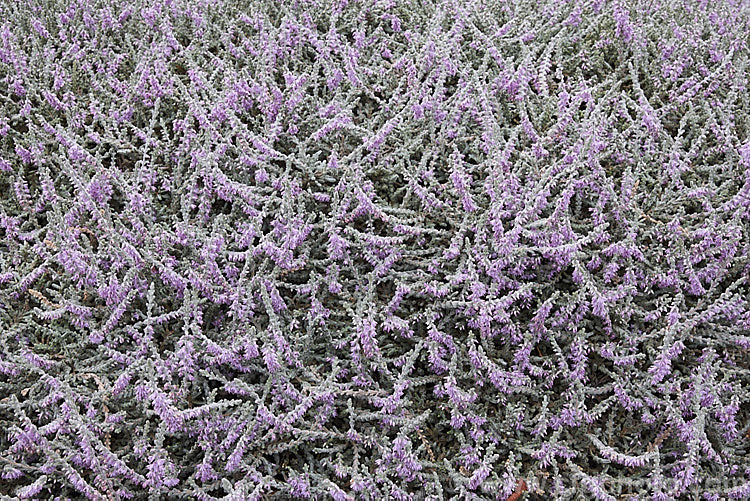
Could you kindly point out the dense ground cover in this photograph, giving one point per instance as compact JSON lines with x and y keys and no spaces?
{"x":374,"y":249}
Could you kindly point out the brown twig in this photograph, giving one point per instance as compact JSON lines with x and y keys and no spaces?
{"x":426,"y":444}
{"x":520,"y":489}
{"x":42,"y":299}
{"x":659,"y":439}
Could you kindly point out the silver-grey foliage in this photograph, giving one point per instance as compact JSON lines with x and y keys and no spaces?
{"x":374,"y":249}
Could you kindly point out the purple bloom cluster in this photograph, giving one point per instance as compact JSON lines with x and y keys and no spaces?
{"x":374,"y":249}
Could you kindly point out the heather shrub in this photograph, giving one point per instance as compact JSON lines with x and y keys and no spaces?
{"x":374,"y":249}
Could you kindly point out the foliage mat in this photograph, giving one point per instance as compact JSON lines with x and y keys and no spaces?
{"x":376,"y":249}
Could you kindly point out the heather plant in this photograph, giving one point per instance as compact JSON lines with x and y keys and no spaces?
{"x":374,"y":249}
